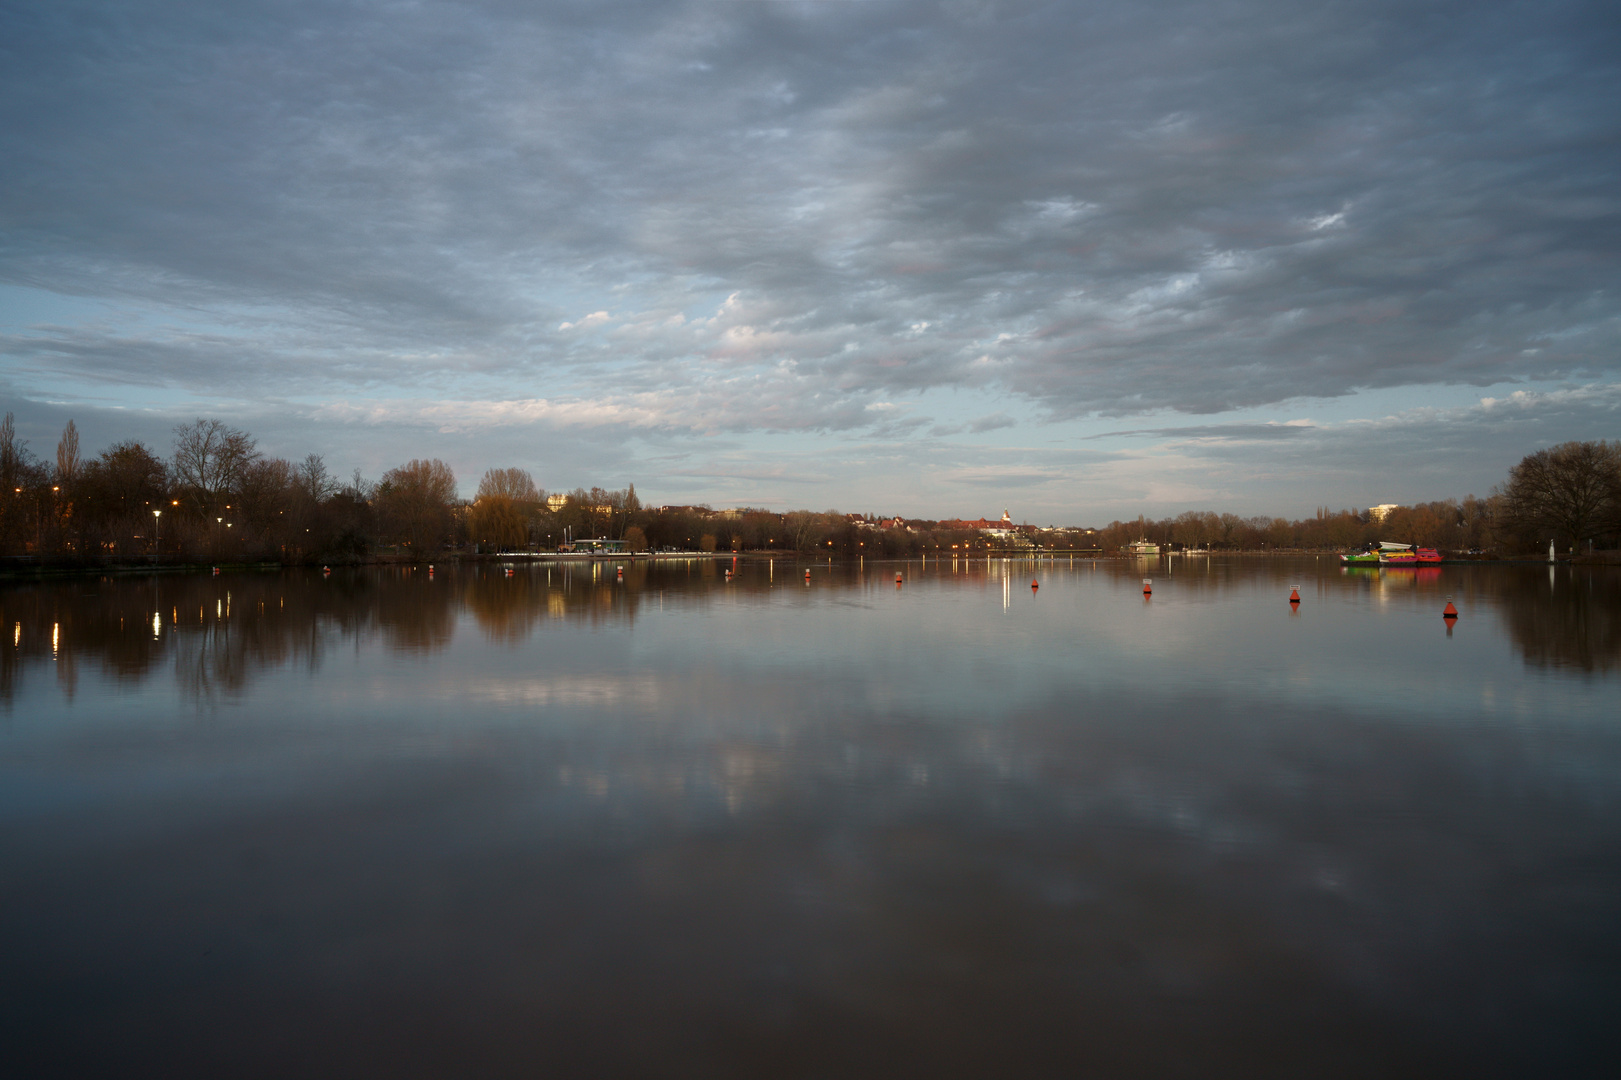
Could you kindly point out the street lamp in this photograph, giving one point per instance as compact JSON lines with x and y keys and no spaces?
{"x":157,"y":524}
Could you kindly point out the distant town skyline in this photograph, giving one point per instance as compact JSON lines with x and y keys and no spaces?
{"x":902,"y":258}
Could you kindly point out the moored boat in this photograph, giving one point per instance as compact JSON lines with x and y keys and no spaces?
{"x":1397,"y":554}
{"x":1361,"y":558}
{"x":1428,"y":556}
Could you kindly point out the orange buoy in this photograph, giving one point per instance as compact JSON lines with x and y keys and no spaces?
{"x":216,"y":571}
{"x":897,"y":579}
{"x":1294,"y":594}
{"x":1148,"y":586}
{"x":1449,"y":612}
{"x":1034,"y":584}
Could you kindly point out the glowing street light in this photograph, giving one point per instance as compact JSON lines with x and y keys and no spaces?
{"x":157,"y":525}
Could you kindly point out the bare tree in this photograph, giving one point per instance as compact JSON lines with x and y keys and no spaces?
{"x":359,"y":488}
{"x":314,"y":481}
{"x":11,"y":452}
{"x":1569,"y":493}
{"x":15,"y":478}
{"x":506,"y":503}
{"x":209,"y":459}
{"x":804,"y":529}
{"x":514,"y":484}
{"x":265,"y":492}
{"x":414,"y":502}
{"x":67,"y":455}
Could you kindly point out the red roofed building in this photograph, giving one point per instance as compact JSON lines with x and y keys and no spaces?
{"x":1003,"y":527}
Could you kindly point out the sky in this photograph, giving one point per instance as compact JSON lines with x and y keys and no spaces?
{"x":1081,"y":261}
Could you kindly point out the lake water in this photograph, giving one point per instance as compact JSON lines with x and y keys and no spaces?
{"x":388,"y":823}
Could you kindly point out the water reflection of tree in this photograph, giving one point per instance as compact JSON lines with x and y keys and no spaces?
{"x":214,"y":632}
{"x":217,"y":633}
{"x":416,"y":614}
{"x":511,"y":609}
{"x":1570,"y":621}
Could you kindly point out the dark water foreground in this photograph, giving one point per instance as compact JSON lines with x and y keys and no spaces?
{"x":381,"y":824}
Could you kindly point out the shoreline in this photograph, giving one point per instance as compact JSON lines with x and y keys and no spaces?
{"x":24,"y":568}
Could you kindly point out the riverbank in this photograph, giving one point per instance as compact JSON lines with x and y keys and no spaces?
{"x":31,"y":568}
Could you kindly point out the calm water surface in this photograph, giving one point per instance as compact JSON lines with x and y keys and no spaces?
{"x":390,"y":824}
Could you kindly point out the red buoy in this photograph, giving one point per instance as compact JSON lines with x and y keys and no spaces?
{"x":1148,"y":586}
{"x":1294,"y":594}
{"x":897,"y":579}
{"x":1034,"y":584}
{"x":1449,"y":612}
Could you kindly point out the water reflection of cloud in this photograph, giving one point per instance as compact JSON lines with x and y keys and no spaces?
{"x":576,"y":825}
{"x":617,"y":690}
{"x":216,"y":636}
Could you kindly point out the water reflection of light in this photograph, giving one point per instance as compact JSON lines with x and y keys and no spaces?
{"x":157,"y":624}
{"x":17,"y":635}
{"x":56,"y":636}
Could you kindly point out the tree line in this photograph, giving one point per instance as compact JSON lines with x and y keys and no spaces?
{"x":215,"y":496}
{"x":1568,"y":494}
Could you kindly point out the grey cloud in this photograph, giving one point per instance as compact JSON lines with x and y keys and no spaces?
{"x":1072,"y":205}
{"x":992,"y":422}
{"x":1246,"y":432}
{"x":1008,"y":478}
{"x":1418,"y":455}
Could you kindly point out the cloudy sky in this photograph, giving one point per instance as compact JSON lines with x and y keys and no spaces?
{"x":1082,"y":260}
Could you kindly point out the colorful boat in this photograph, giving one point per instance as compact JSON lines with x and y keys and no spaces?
{"x":1361,"y":558}
{"x":1397,"y":554}
{"x":1428,"y":557}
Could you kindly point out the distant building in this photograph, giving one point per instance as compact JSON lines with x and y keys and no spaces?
{"x":999,"y":529}
{"x":555,"y":503}
{"x":1382,"y":511}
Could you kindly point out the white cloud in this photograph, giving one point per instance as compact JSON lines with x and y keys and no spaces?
{"x":596,"y":318}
